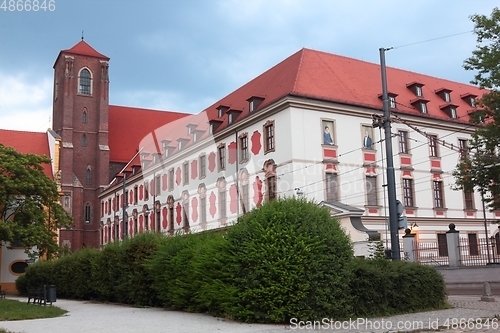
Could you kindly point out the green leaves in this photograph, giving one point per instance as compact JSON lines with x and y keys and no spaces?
{"x":29,"y":203}
{"x":480,"y":170}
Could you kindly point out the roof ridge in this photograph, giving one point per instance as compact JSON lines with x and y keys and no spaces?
{"x":299,"y":67}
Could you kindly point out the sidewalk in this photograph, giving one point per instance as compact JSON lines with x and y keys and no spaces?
{"x":87,"y":317}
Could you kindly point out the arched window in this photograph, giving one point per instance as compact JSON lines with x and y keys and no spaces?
{"x":88,"y":176}
{"x":85,"y":82}
{"x":84,"y":116}
{"x":84,"y":140}
{"x":87,"y":213}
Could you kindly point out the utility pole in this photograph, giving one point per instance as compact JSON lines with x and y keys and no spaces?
{"x":391,"y":178}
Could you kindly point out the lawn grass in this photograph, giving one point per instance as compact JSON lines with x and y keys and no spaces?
{"x":15,"y":310}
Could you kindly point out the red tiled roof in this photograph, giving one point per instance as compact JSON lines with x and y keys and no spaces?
{"x":128,"y":126}
{"x":28,"y":143}
{"x":82,"y":48}
{"x":324,"y":76}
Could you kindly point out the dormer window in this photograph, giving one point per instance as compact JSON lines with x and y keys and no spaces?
{"x":254,"y":103}
{"x":213,"y":125}
{"x":179,"y":145}
{"x":221,"y":110}
{"x":469,"y":99}
{"x":392,"y":99}
{"x":195,"y":136}
{"x":445,"y":94}
{"x":416,"y":88}
{"x":450,"y":109}
{"x":232,"y":115}
{"x":420,"y":104}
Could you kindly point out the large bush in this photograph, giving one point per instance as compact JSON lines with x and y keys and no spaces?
{"x":288,"y":259}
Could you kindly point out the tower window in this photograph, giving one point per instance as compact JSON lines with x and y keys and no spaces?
{"x":87,"y":213}
{"x":84,"y":140}
{"x":85,"y":82}
{"x":88,"y":176}
{"x":84,"y":116}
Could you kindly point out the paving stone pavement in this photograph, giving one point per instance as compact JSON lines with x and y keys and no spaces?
{"x":468,"y":315}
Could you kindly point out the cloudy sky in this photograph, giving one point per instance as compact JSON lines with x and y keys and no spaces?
{"x":184,"y":55}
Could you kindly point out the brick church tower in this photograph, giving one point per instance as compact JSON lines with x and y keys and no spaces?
{"x":80,"y":117}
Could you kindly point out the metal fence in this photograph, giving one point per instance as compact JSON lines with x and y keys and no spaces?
{"x":430,"y":253}
{"x":473,"y":252}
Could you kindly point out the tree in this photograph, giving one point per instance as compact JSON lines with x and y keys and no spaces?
{"x":481,"y":167}
{"x":30,"y":211}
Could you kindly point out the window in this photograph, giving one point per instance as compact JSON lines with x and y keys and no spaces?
{"x":418,"y":91}
{"x":473,"y":244}
{"x":446,"y":97}
{"x":85,"y":82}
{"x":473,"y":102}
{"x":84,"y":140}
{"x":185,"y":173}
{"x":88,"y":176}
{"x":371,"y":191}
{"x":185,"y":215}
{"x":463,"y":149}
{"x":244,"y":148}
{"x":433,"y":148}
{"x":171,"y":179}
{"x":469,"y":200}
{"x":453,"y":112}
{"x":203,"y":166}
{"x":331,"y":187}
{"x":245,"y":198}
{"x":423,"y":107}
{"x":157,"y":185}
{"x":392,"y":102}
{"x":269,"y":136}
{"x":442,"y":245}
{"x":84,"y":116}
{"x":87,"y":213}
{"x":146,"y":221}
{"x":203,"y":210}
{"x":146,"y":191}
{"x":222,"y":157}
{"x":135,"y":194}
{"x":403,"y":142}
{"x":271,"y":187}
{"x":438,"y":194}
{"x":408,"y":192}
{"x":222,"y":204}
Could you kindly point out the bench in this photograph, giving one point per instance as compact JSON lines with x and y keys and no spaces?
{"x":2,"y":293}
{"x":41,"y":295}
{"x":36,"y":295}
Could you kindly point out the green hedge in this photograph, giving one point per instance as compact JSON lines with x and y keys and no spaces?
{"x":286,"y":259}
{"x":382,"y":287}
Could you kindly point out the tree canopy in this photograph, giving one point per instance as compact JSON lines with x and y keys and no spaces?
{"x":480,"y":170}
{"x":30,"y":210}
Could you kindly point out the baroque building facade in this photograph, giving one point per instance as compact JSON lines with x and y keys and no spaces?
{"x":305,"y":127}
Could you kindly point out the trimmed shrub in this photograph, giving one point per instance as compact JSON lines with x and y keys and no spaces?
{"x":184,"y":270}
{"x":382,"y":287}
{"x":287,"y":259}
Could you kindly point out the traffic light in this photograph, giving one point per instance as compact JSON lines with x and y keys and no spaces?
{"x":402,"y":220}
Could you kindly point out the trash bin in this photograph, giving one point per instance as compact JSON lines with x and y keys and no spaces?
{"x":50,"y":293}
